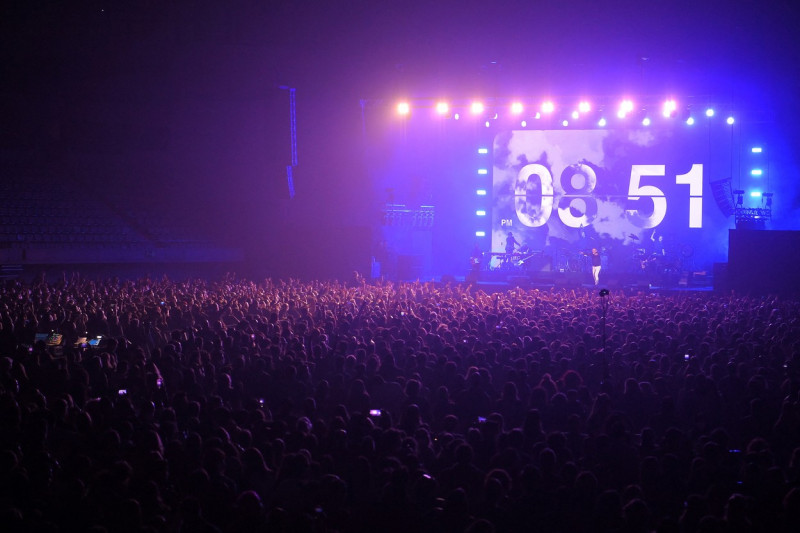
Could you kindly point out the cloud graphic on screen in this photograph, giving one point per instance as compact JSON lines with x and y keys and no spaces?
{"x":641,"y":137}
{"x":612,"y":223}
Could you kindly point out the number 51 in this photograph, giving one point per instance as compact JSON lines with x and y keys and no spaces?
{"x":693,"y":178}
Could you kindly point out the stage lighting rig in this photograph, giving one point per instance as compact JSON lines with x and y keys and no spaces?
{"x":753,"y":217}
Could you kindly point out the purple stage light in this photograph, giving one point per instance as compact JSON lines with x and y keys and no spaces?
{"x":403,"y":108}
{"x":548,"y":107}
{"x":669,"y":109}
{"x":730,"y":121}
{"x":442,"y":108}
{"x":517,"y":108}
{"x":476,"y":108}
{"x":584,"y":106}
{"x":625,"y":107}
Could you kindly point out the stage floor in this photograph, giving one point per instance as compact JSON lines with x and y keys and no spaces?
{"x":494,"y":280}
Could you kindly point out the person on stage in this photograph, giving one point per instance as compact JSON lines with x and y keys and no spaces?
{"x":476,"y":258}
{"x":596,"y":262}
{"x":659,"y":247}
{"x":511,"y":247}
{"x":511,"y":243}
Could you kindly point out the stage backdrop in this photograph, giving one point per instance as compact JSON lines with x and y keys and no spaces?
{"x":637,"y":195}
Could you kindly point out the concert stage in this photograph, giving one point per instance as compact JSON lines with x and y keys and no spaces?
{"x":689,"y":281}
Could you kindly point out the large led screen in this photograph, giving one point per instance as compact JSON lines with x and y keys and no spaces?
{"x":637,"y":195}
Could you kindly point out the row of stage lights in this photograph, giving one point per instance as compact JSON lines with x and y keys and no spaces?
{"x":625,"y":109}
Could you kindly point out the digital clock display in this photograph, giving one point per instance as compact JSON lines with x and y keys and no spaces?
{"x":630,"y":191}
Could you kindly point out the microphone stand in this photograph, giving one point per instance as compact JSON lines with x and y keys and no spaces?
{"x":604,"y":307}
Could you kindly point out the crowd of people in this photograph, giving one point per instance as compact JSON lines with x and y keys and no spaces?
{"x":289,"y":406}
